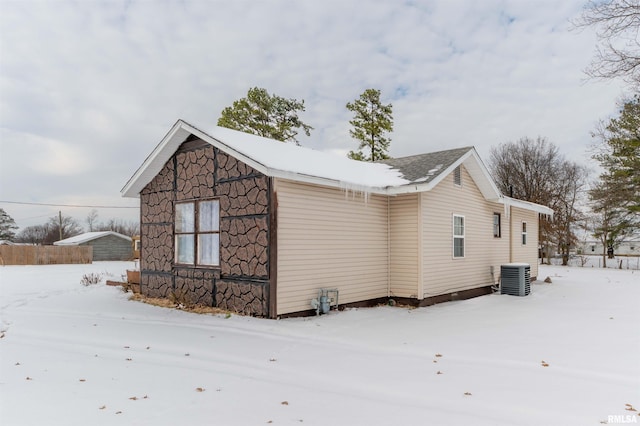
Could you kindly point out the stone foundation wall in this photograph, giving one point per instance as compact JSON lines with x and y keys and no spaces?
{"x":195,"y":286}
{"x":201,"y":171}
{"x":242,"y":297}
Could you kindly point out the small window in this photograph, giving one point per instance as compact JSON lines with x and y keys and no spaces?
{"x":593,"y":248}
{"x":524,"y":233}
{"x":496,"y":225}
{"x":197,"y":228}
{"x":458,"y":236}
{"x":457,"y":176}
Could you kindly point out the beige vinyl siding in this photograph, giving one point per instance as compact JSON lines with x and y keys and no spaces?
{"x":442,"y":273}
{"x":525,"y":253}
{"x":329,"y":238}
{"x":404,"y":226}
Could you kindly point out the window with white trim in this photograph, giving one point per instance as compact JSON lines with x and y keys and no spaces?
{"x":197,"y":233}
{"x":458,"y":236}
{"x":524,"y":233}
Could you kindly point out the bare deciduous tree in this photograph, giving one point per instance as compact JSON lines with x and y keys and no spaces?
{"x":92,"y":219}
{"x":535,"y":171}
{"x":35,"y":234}
{"x":61,"y":227}
{"x":120,"y":226}
{"x":617,"y":23}
{"x":571,"y":189}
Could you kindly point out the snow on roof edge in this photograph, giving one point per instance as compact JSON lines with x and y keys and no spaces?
{"x":288,"y":161}
{"x":88,"y":236}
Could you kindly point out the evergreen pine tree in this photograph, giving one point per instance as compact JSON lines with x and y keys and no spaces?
{"x":371,"y":122}
{"x":7,"y":226}
{"x":262,"y":114}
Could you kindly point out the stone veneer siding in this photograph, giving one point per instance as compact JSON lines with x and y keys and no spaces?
{"x":243,"y":282}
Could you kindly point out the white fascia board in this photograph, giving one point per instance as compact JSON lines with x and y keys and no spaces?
{"x":481,"y":175}
{"x":155,"y":161}
{"x":527,"y":205}
{"x":181,"y":130}
{"x":332,"y":183}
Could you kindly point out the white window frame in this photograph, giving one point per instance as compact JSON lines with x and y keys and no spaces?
{"x":460,"y":237}
{"x":523,"y":239}
{"x":189,"y":241}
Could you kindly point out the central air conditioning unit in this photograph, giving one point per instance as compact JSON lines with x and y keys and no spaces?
{"x":515,"y":279}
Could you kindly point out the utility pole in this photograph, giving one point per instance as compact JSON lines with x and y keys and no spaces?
{"x":60,"y":219}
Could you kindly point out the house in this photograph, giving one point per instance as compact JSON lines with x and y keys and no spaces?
{"x":135,"y":240}
{"x":258,"y":226}
{"x":107,"y":245}
{"x":628,"y":247}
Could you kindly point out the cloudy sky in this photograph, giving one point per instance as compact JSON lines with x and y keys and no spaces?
{"x":88,"y":88}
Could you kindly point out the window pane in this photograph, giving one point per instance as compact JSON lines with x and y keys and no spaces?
{"x":458,"y":225}
{"x":208,"y":249}
{"x":458,"y":247}
{"x":524,"y":226}
{"x":184,"y":249}
{"x":185,"y":217}
{"x":524,"y":239}
{"x":209,"y":216}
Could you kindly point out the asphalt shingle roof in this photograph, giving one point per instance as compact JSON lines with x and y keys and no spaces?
{"x":423,"y":168}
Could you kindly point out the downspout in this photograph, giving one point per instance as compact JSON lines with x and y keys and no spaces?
{"x":511,"y":242}
{"x":273,"y":248}
{"x":388,"y":246}
{"x":420,"y":241}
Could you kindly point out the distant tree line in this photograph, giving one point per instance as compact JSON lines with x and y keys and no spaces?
{"x":607,"y":208}
{"x":61,"y":226}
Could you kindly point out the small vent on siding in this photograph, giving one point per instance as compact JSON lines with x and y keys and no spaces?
{"x":515,"y":279}
{"x":457,"y":177}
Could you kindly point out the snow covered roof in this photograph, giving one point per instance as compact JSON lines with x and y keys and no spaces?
{"x":417,"y":173}
{"x":272,"y":158}
{"x":88,"y":236}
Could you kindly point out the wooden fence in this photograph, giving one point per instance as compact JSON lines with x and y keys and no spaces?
{"x":45,"y":255}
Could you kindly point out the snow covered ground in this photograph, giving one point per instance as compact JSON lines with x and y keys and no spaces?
{"x":568,"y":354}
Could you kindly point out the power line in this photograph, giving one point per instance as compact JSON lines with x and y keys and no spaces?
{"x":68,"y":205}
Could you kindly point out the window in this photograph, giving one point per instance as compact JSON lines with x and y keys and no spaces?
{"x":458,"y":236}
{"x":593,"y":248}
{"x":457,"y":177}
{"x":197,"y":228}
{"x":496,"y":225}
{"x":524,"y":233}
